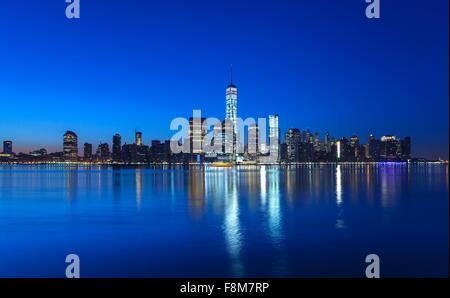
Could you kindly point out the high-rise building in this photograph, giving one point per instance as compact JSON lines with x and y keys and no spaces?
{"x":327,"y":142}
{"x":274,"y":135}
{"x":232,"y":103}
{"x":354,"y":144}
{"x":197,"y":132}
{"x":389,"y":147}
{"x":70,"y":146}
{"x":374,"y":148}
{"x":117,"y":147}
{"x":103,"y":152}
{"x":316,"y":142}
{"x":7,"y":147}
{"x":231,"y":116}
{"x":87,"y":151}
{"x":138,"y":136}
{"x":406,"y":148}
{"x":130,"y":153}
{"x":253,"y":140}
{"x":293,"y":139}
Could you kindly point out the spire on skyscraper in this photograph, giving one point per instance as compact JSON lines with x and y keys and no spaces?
{"x":231,"y":77}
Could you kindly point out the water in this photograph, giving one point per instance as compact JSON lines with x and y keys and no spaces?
{"x":305,"y":221}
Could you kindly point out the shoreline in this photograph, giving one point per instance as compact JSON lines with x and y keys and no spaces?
{"x":235,"y":165}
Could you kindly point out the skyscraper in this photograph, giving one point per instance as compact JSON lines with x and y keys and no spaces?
{"x":253,"y":140}
{"x":70,"y":146}
{"x":293,"y":140}
{"x":389,"y":147}
{"x":103,"y":152}
{"x":197,"y":133}
{"x":232,"y":103}
{"x":117,"y":147}
{"x":406,"y":148}
{"x":87,"y":151}
{"x":274,"y":135}
{"x":7,"y":147}
{"x":327,"y":142}
{"x":138,"y":136}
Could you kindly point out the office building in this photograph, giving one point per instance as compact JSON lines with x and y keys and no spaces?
{"x":7,"y":147}
{"x":70,"y":146}
{"x":117,"y":147}
{"x":87,"y":152}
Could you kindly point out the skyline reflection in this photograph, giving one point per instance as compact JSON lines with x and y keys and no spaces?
{"x":247,"y":220}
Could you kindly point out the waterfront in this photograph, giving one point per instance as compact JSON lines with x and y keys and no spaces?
{"x":259,"y":221}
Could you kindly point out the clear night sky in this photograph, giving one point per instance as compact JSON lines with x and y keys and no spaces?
{"x":319,"y":64}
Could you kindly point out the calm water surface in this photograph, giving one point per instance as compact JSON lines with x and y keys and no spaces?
{"x":303,"y":221}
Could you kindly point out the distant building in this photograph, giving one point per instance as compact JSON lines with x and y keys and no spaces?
{"x":389,"y":149}
{"x":39,"y":153}
{"x":103,"y":152}
{"x":406,"y":148}
{"x":293,"y":140}
{"x":138,"y":136}
{"x":87,"y":151}
{"x":129,"y":153}
{"x":355,"y":148}
{"x":70,"y":146}
{"x":117,"y":147}
{"x":374,"y":148}
{"x":7,"y":147}
{"x":160,"y":152}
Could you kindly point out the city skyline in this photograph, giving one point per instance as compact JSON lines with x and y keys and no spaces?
{"x":291,"y":145}
{"x":341,"y":73}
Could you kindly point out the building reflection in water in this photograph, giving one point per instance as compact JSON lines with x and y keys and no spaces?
{"x":263,"y":185}
{"x":138,"y":183}
{"x":116,"y":184}
{"x":275,"y":223}
{"x":338,"y":186}
{"x":196,"y":191}
{"x":232,"y":227}
{"x":340,"y":223}
{"x":274,"y":208}
{"x":71,"y":178}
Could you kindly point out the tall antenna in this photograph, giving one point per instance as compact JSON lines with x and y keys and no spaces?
{"x":231,"y":72}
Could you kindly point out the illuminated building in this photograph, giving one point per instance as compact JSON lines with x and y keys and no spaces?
{"x":389,"y":147}
{"x":39,"y":153}
{"x":70,"y":146}
{"x":197,"y":133}
{"x":293,"y":138}
{"x":7,"y":147}
{"x":374,"y":148}
{"x":253,"y":141}
{"x":338,"y":150}
{"x":232,"y":103}
{"x":274,"y":135}
{"x":138,"y":136}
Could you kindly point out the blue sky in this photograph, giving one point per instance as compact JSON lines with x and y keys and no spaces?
{"x":136,"y":64}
